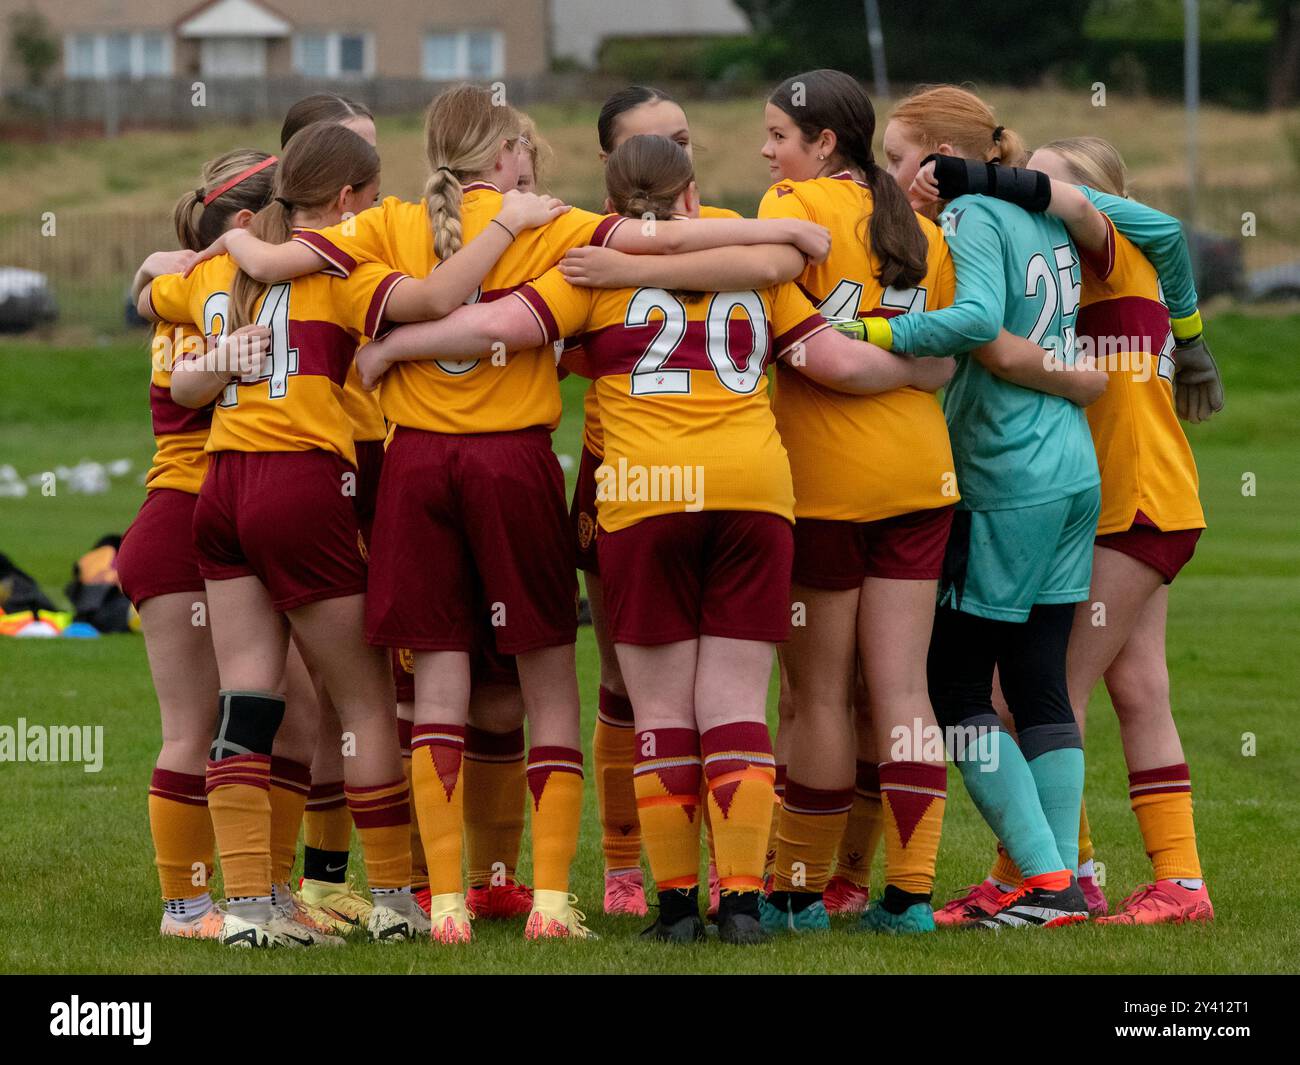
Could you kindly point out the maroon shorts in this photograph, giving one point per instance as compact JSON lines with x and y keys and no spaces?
{"x":582,"y":514}
{"x":283,"y":517}
{"x":469,"y":519}
{"x":157,"y":554}
{"x":1164,"y":552}
{"x":370,"y":461}
{"x":487,"y":665}
{"x":712,"y":573}
{"x":838,"y":555}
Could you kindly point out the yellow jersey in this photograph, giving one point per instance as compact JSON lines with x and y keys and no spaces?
{"x":464,"y":395}
{"x":860,"y":458}
{"x":1145,"y":460}
{"x":682,"y":387}
{"x":316,"y":323}
{"x":180,"y":434}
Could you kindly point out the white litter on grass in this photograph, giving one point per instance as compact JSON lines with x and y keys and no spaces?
{"x":85,"y":478}
{"x":11,"y":485}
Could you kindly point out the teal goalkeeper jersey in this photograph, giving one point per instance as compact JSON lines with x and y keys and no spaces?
{"x":1013,"y":446}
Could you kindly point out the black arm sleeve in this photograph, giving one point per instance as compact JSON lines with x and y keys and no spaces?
{"x":1030,"y":189}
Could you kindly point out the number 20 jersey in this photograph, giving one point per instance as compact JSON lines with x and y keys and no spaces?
{"x":860,"y":458}
{"x":316,"y":323}
{"x":682,"y":387}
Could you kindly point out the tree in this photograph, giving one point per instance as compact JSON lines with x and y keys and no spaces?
{"x":1284,"y":65}
{"x":35,"y":47}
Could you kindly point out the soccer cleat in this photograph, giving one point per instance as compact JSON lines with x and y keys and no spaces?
{"x":740,"y":930}
{"x":915,"y":920}
{"x":287,"y":932}
{"x":209,"y":926}
{"x":313,"y":918}
{"x":625,"y":894}
{"x":843,"y":897}
{"x":499,"y":901}
{"x":239,"y":931}
{"x":397,"y":919}
{"x":344,"y":908}
{"x":422,"y":898}
{"x":1096,"y":898}
{"x":774,"y":919}
{"x":715,"y":891}
{"x":554,"y":917}
{"x":1038,"y":907}
{"x":1164,"y":902}
{"x":449,"y":919}
{"x":688,"y":929}
{"x":979,"y":901}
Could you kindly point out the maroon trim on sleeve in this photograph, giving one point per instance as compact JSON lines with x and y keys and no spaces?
{"x":814,"y":323}
{"x":379,"y":300}
{"x":605,"y":229}
{"x":534,"y":302}
{"x":341,"y":263}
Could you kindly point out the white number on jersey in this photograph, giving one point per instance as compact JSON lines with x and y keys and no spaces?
{"x":1058,"y":297}
{"x":274,"y":314}
{"x":649,"y":378}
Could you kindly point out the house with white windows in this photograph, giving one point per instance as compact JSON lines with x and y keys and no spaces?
{"x":334,"y":40}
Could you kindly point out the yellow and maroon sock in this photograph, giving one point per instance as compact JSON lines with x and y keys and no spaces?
{"x":555,"y":782}
{"x":182,"y":833}
{"x":614,"y":753}
{"x":238,"y":786}
{"x":1005,"y":871}
{"x":913,"y":796}
{"x":436,"y":756}
{"x":382,"y":814}
{"x":774,"y":829}
{"x":863,"y":829}
{"x":1162,"y":800}
{"x":1086,"y":850}
{"x":741,"y":772}
{"x":326,"y":833}
{"x":419,"y":874}
{"x":290,"y":786}
{"x":812,"y":824}
{"x":496,"y":789}
{"x":667,"y":779}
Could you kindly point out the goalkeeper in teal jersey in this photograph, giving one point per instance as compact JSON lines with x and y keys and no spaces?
{"x":1020,"y":553}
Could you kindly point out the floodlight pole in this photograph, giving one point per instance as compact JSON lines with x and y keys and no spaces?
{"x":1192,"y":97}
{"x":876,"y":40}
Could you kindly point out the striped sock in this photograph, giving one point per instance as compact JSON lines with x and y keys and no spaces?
{"x":812,"y":823}
{"x":182,"y":834}
{"x":326,"y":833}
{"x":866,"y":824}
{"x":667,"y":780}
{"x":1162,"y":800}
{"x":436,"y":754}
{"x":741,"y":772}
{"x":382,"y":814}
{"x":555,"y":782}
{"x":496,"y":789}
{"x":913,"y":796}
{"x":613,"y":752}
{"x":290,"y":786}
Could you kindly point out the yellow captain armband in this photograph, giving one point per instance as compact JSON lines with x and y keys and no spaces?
{"x":1188,"y":328}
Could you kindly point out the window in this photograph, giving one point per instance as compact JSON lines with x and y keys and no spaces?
{"x":334,"y":55}
{"x":463,"y":54}
{"x":117,"y":55}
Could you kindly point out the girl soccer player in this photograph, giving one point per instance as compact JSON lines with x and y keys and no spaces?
{"x":682,"y":393}
{"x":485,"y":522}
{"x":283,"y":455}
{"x":1019,"y":556}
{"x":159,"y":571}
{"x":1151,"y":516}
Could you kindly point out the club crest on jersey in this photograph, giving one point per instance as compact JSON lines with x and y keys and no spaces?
{"x":783,"y":191}
{"x":586,"y":529}
{"x":951,"y":219}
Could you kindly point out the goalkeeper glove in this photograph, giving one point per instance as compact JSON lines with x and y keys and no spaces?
{"x":873,"y":330}
{"x":1029,"y":189}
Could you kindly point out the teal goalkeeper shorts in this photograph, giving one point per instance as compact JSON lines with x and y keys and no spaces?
{"x":1000,"y":563}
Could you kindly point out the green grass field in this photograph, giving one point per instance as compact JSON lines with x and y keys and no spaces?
{"x":79,"y":892}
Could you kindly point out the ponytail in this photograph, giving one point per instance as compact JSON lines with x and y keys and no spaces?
{"x":443,"y":196}
{"x":894,"y":235}
{"x":947,"y":114}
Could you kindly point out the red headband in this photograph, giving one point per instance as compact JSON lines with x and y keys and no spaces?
{"x":238,"y":178}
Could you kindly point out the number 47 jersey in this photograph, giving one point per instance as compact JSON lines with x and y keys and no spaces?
{"x":316,"y":323}
{"x":682,"y":387}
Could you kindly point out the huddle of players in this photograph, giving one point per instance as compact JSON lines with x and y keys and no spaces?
{"x":843,"y":501}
